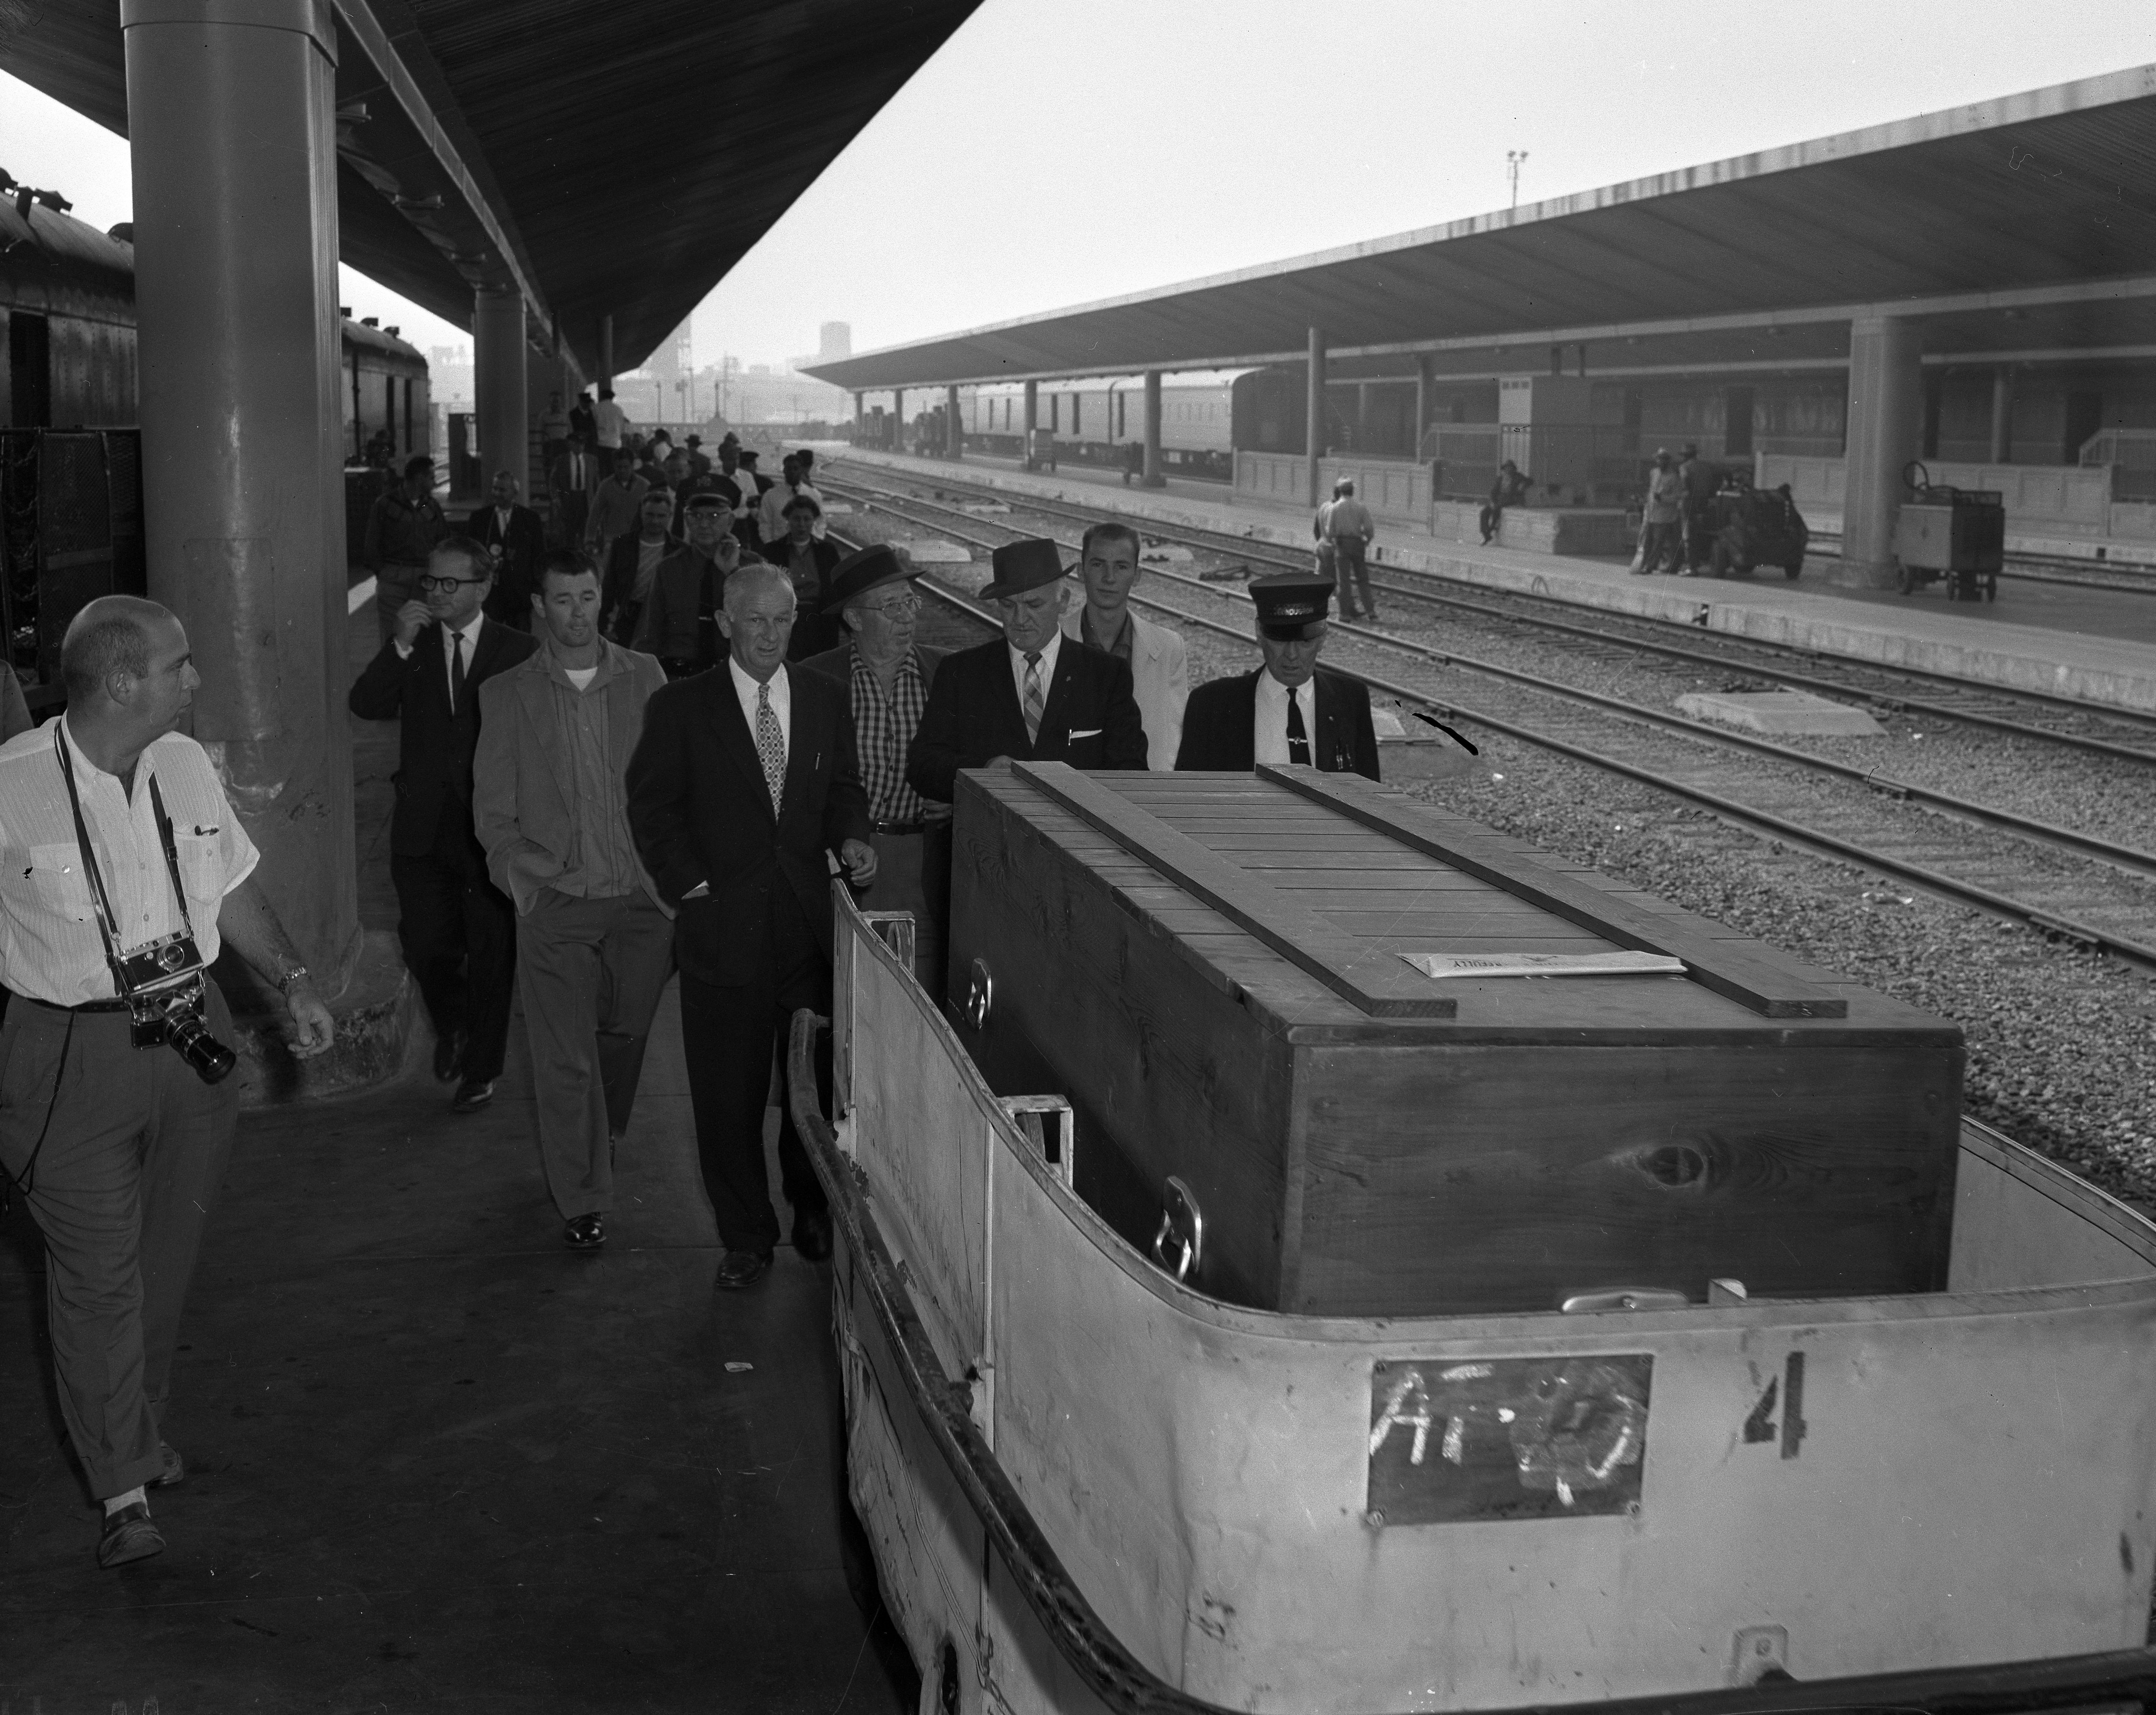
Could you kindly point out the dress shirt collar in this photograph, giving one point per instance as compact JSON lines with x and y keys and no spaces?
{"x":469,"y":633}
{"x":1048,"y":652}
{"x":558,"y":671}
{"x":85,"y":770}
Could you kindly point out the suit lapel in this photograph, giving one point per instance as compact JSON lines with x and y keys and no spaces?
{"x":1245,"y":747}
{"x":1007,"y":716}
{"x":803,"y":740}
{"x":736,"y":736}
{"x":536,"y":691}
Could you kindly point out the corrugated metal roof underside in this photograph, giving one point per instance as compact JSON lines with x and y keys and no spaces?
{"x":638,"y":150}
{"x":2054,"y":187}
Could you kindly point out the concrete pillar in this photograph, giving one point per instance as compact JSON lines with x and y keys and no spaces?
{"x":954,"y":427}
{"x":860,"y":417}
{"x":499,"y":396}
{"x":606,"y":352}
{"x":2002,"y":414}
{"x":898,"y":419}
{"x":1426,"y":377}
{"x":1886,"y":430}
{"x":1154,"y":476}
{"x":232,"y":114}
{"x":1314,"y":411}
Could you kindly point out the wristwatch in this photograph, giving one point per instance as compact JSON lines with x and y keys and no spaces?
{"x":285,"y":982}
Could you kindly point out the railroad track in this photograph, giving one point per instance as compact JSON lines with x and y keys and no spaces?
{"x":2032,"y":715}
{"x":1836,"y":833}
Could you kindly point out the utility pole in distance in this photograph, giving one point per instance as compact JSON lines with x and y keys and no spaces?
{"x":1513,"y":157}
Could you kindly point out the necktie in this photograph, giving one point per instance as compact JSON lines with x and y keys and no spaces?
{"x":1298,"y":736}
{"x":456,"y":670}
{"x":771,"y":746}
{"x":1036,"y":704}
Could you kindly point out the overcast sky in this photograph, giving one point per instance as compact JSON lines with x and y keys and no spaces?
{"x":1060,"y":151}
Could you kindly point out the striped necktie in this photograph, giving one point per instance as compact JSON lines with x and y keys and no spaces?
{"x":1036,"y":704}
{"x":770,"y":747}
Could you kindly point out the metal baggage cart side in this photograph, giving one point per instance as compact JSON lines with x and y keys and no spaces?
{"x":1958,"y":534}
{"x":1088,"y":1486}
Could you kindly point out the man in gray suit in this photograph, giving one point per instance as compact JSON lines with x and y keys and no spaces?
{"x":1160,"y":666}
{"x":595,"y":944}
{"x":886,"y":676}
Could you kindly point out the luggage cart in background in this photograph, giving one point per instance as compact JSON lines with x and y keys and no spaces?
{"x":1958,"y":534}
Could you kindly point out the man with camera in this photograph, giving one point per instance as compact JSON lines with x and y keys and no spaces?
{"x":122,"y":870}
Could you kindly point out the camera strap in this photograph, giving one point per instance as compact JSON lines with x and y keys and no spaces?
{"x":100,"y":902}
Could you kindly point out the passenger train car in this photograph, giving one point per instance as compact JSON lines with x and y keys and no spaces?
{"x":70,"y":481}
{"x":1096,"y":422}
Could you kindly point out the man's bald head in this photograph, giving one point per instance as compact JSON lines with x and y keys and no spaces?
{"x":114,"y":633}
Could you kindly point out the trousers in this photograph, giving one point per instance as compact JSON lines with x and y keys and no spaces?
{"x":590,"y":972}
{"x":729,"y":1033}
{"x":913,"y":873}
{"x":1347,"y":558}
{"x":134,"y":1149}
{"x":458,"y":933}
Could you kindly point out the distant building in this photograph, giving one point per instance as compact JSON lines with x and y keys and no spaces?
{"x":834,"y":340}
{"x":449,"y":374}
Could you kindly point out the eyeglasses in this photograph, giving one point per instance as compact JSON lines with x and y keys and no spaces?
{"x":903,"y":606}
{"x":446,"y":585}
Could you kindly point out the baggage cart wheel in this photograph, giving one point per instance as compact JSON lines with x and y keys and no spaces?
{"x":1907,"y":580}
{"x":1991,"y":586}
{"x":1790,"y":569}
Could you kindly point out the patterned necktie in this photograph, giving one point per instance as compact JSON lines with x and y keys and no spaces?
{"x":1036,"y":704}
{"x":1298,"y":736}
{"x":771,"y":746}
{"x":456,"y":671}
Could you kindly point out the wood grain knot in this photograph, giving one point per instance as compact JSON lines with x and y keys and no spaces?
{"x":1669,"y":1167}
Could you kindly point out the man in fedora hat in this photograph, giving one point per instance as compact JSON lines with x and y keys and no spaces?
{"x":1032,"y":696}
{"x":887,"y":676}
{"x":1290,"y":710}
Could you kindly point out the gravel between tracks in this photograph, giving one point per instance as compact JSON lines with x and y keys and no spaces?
{"x":2061,"y":1043}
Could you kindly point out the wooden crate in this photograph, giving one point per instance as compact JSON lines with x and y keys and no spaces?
{"x":1207,"y":965}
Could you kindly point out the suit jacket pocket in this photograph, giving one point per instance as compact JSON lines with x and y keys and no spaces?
{"x":1084,"y":750}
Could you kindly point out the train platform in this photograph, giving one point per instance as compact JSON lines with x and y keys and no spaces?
{"x":2064,"y":639}
{"x":437,"y":1460}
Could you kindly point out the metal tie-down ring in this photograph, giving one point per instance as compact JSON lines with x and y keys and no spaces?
{"x":1182,"y":1225}
{"x":980,"y":995}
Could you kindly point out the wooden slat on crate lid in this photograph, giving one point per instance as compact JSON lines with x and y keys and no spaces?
{"x":1729,"y":969}
{"x":1364,"y":975}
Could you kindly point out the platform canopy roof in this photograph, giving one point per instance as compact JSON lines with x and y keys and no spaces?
{"x":2042,"y":204}
{"x":612,"y":159}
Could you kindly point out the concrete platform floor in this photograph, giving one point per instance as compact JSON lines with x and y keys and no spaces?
{"x":438,"y":1462}
{"x":2050,"y":638}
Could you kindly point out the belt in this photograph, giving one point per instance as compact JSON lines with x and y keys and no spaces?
{"x":898,"y":826}
{"x":85,"y":1006}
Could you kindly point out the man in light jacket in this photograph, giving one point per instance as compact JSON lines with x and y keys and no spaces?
{"x":1160,"y":667}
{"x":594,"y":943}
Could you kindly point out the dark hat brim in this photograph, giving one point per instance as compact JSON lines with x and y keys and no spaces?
{"x":863,"y":570}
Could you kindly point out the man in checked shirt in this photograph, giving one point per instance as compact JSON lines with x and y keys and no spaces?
{"x":888,"y":675}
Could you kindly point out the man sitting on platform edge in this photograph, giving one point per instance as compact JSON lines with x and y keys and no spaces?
{"x":594,"y":945}
{"x":887,"y":678}
{"x":121,"y":851}
{"x":742,"y":791}
{"x":1033,"y":695}
{"x":1290,"y":710}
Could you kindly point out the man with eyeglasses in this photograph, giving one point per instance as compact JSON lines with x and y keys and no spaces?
{"x":680,"y":621}
{"x":457,"y":928}
{"x":886,"y":676}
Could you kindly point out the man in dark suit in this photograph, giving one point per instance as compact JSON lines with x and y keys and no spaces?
{"x":631,"y":567}
{"x":745,"y":779}
{"x":514,"y":535}
{"x":809,"y":564}
{"x":458,"y":930}
{"x":1290,"y":710}
{"x":1033,"y":695}
{"x":887,"y":678}
{"x":574,"y":479}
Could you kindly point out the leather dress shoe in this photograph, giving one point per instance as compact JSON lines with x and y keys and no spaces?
{"x":472,"y":1095}
{"x":742,"y":1268}
{"x":175,"y":1472}
{"x":129,"y":1535}
{"x":812,"y":1234}
{"x":448,"y":1055}
{"x":587,"y":1232}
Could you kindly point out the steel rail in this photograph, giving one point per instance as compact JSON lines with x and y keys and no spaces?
{"x":1221,"y":541}
{"x":2123,"y":857}
{"x":1126,"y":1686}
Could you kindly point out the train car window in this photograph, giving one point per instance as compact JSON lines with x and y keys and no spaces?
{"x":30,"y":370}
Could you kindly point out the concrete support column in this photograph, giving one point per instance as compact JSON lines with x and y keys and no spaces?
{"x":1425,"y":376}
{"x":1314,"y":411}
{"x":954,"y":425}
{"x":1885,"y":431}
{"x":606,"y":351}
{"x":860,"y":417}
{"x":231,"y":112}
{"x":898,"y":419}
{"x":498,"y":386}
{"x":2002,"y":414}
{"x":1154,"y":476}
